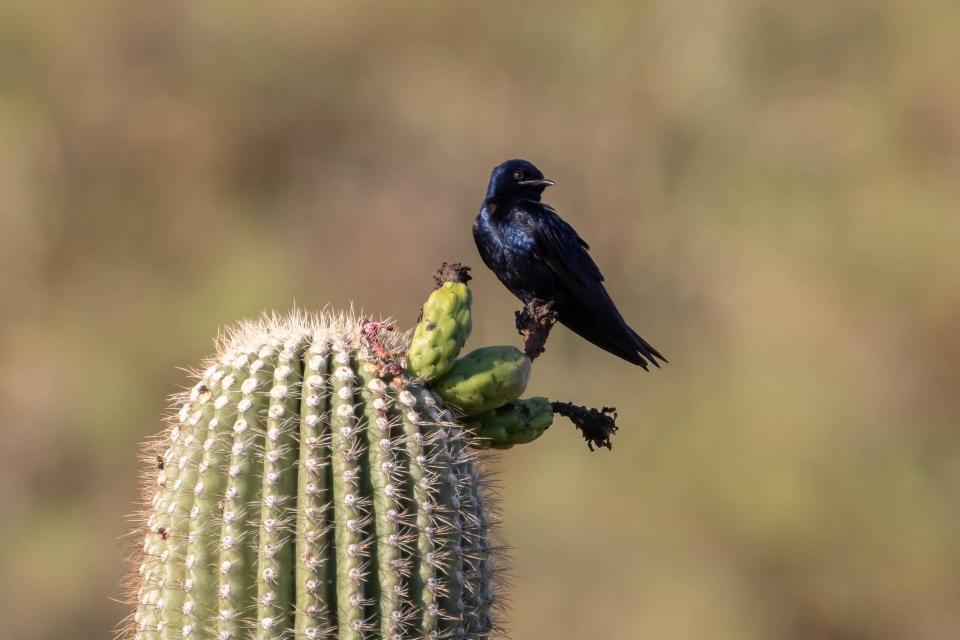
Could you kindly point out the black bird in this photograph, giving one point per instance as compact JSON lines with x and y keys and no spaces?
{"x":539,"y":257}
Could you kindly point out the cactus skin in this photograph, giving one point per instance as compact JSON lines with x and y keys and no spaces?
{"x":300,"y":494}
{"x":485,"y":379}
{"x":442,"y":331}
{"x":517,"y":422}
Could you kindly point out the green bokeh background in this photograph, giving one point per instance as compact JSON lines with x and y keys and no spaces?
{"x":771,"y":189}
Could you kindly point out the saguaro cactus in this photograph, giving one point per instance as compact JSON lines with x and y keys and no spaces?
{"x":307,"y":488}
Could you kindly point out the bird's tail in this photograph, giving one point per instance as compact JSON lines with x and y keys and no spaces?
{"x":620,"y":340}
{"x":648,"y":350}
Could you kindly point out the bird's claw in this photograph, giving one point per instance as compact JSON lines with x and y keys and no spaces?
{"x":534,"y":323}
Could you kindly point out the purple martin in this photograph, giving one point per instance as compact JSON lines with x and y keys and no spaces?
{"x":541,"y":260}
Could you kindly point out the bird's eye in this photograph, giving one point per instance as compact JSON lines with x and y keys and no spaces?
{"x":518,"y":175}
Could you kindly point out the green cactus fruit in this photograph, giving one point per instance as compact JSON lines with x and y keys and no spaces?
{"x":516,"y":422}
{"x":485,"y":379}
{"x":308,"y":489}
{"x":444,"y":326}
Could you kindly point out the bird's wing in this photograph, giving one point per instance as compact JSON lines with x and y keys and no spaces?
{"x":566,"y":253}
{"x":594,"y":315}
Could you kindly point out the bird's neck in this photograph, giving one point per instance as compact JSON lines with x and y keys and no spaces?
{"x":497,"y":206}
{"x":512,"y":198}
{"x":495,"y":209}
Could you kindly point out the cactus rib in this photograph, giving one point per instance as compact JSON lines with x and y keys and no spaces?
{"x":384,"y":463}
{"x":315,"y":569}
{"x":202,"y":547}
{"x":239,"y":531}
{"x":275,"y":560}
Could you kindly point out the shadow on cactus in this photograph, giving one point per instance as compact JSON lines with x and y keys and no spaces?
{"x":324,"y":478}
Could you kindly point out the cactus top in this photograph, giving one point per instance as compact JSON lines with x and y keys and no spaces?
{"x":306,"y":488}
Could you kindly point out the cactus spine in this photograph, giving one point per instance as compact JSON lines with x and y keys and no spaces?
{"x":307,"y":490}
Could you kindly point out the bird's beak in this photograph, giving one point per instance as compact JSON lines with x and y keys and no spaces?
{"x":538,"y":183}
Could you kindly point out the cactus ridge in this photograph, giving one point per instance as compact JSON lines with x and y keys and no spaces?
{"x":299,"y":492}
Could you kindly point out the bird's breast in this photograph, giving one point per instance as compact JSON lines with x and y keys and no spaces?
{"x":516,"y":237}
{"x":503,"y":233}
{"x":507,"y":247}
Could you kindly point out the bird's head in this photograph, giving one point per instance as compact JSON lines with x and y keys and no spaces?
{"x":517,"y":179}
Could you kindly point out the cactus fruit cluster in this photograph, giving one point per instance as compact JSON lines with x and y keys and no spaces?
{"x":311,"y":486}
{"x":484,"y":379}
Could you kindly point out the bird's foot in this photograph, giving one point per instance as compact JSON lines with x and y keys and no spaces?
{"x":596,"y":425}
{"x":451,"y":272}
{"x":534,"y":322}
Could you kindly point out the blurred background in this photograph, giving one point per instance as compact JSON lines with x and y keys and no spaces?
{"x":771,"y":189}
